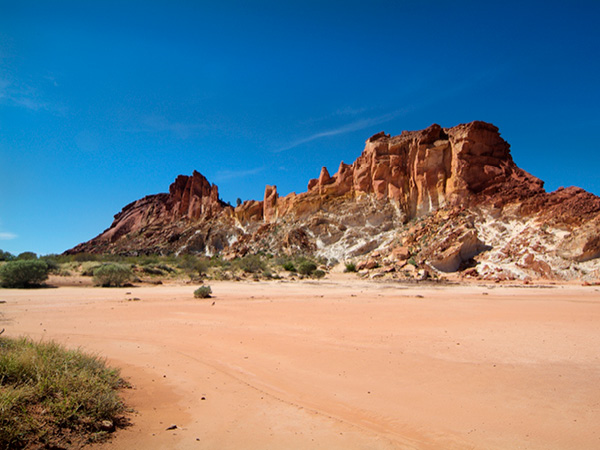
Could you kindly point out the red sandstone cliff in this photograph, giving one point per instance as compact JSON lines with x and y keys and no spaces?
{"x":470,"y":199}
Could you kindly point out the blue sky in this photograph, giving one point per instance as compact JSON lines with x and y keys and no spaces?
{"x":103,"y":102}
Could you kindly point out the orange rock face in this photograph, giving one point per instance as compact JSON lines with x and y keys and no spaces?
{"x":469,"y":206}
{"x":270,"y":203}
{"x":425,"y":170}
{"x":194,"y":197}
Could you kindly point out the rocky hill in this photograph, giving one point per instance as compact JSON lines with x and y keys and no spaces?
{"x":438,"y":200}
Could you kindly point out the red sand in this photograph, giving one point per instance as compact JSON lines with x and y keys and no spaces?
{"x":341,"y":364}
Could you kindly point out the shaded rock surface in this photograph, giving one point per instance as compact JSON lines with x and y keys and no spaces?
{"x":445,"y":199}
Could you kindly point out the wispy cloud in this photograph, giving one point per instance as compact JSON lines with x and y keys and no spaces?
{"x":5,"y":236}
{"x":347,"y":128}
{"x":159,"y":124}
{"x":224,"y":175}
{"x":346,"y":111}
{"x":24,"y":96}
{"x":30,"y":103}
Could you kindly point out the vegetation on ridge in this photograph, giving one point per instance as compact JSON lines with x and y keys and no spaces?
{"x":119,"y":270}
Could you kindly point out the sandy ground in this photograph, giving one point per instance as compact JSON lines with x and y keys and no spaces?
{"x":337,"y":364}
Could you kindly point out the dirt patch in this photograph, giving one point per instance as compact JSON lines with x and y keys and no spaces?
{"x":343,"y":363}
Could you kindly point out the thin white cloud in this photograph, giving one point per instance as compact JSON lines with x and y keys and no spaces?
{"x":157,"y":124}
{"x":29,"y":103}
{"x":345,"y":111}
{"x":5,"y":236}
{"x":24,"y":96}
{"x":348,"y":128}
{"x":224,"y":175}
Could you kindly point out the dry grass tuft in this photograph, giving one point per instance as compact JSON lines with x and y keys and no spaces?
{"x":53,"y":397}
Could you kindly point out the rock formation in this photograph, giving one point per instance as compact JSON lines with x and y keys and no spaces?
{"x":447,"y":199}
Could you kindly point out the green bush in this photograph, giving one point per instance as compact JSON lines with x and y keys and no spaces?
{"x":165,"y":268}
{"x":203,"y":292}
{"x":23,"y":274}
{"x":53,"y":266}
{"x":220,"y":274}
{"x":350,"y":267}
{"x":112,"y":275}
{"x":193,"y":264}
{"x":88,"y":268}
{"x":289,"y":266}
{"x":318,"y":273}
{"x":50,"y":394}
{"x":306,"y":267}
{"x":152,"y":270}
{"x":252,"y":264}
{"x":84,"y":257}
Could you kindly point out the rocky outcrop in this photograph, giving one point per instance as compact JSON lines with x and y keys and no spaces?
{"x":426,"y":170}
{"x":194,"y":198}
{"x":152,"y":224}
{"x":438,"y":200}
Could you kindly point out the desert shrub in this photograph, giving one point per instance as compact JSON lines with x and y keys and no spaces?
{"x":165,"y":268}
{"x":83,"y":257}
{"x":289,"y":266}
{"x":251,"y":264}
{"x":217,"y":261}
{"x":23,"y":274}
{"x":193,"y":264}
{"x":53,"y":266}
{"x":350,"y":267}
{"x":318,"y":273}
{"x":47,"y":390}
{"x":306,"y":267}
{"x":147,"y":260}
{"x":220,"y":274}
{"x":116,"y":275}
{"x":412,"y":262}
{"x":203,"y":292}
{"x":88,"y":268}
{"x":152,"y":270}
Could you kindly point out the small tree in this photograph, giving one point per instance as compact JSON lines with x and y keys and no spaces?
{"x":23,"y":274}
{"x":6,"y":256}
{"x":350,"y":267}
{"x":27,"y":256}
{"x":112,"y":275}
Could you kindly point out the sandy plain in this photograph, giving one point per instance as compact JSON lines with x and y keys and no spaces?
{"x":338,"y":363}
